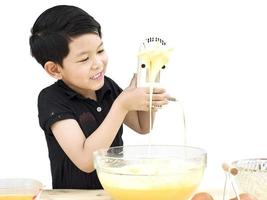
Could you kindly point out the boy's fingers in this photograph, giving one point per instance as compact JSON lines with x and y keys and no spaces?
{"x":133,"y":82}
{"x":155,"y":90}
{"x":158,"y":90}
{"x":160,"y":103}
{"x":160,"y":97}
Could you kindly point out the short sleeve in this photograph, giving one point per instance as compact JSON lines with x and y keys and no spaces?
{"x":52,"y":108}
{"x":115,"y":87}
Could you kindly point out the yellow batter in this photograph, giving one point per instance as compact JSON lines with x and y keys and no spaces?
{"x":147,"y":181}
{"x":15,"y":197}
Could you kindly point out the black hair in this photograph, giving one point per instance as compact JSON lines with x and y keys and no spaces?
{"x":53,"y":30}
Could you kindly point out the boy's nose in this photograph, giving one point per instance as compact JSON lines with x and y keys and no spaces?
{"x":95,"y":66}
{"x":96,"y":63}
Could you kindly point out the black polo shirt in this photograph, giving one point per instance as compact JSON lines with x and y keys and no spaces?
{"x":58,"y":102}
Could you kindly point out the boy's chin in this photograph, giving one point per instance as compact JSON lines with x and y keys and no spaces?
{"x":99,"y":85}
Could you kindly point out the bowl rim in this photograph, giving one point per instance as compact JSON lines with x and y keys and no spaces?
{"x":238,"y":164}
{"x":101,"y":155}
{"x":249,"y":159}
{"x":21,"y":183}
{"x":100,"y":151}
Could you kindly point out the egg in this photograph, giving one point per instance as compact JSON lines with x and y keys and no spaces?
{"x":202,"y":196}
{"x":245,"y":196}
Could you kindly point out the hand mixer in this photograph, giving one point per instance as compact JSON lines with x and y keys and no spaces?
{"x":153,"y":58}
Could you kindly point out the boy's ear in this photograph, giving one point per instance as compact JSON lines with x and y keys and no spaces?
{"x":53,"y":69}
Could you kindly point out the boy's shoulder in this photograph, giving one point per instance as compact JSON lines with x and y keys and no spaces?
{"x":53,"y":91}
{"x":49,"y":89}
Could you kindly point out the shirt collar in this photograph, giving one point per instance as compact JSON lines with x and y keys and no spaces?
{"x":104,"y":90}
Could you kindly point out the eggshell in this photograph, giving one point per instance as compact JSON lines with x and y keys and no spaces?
{"x":202,"y":196}
{"x":245,"y":196}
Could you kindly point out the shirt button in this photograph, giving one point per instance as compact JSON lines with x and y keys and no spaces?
{"x":99,"y":109}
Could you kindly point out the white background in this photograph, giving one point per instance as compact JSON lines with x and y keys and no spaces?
{"x":217,"y":70}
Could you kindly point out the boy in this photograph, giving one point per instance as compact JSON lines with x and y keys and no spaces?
{"x":84,"y":110}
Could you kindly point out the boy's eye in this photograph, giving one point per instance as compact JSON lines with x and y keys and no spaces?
{"x":85,"y":59}
{"x":101,"y":51}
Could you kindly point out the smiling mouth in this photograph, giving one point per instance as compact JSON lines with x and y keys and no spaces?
{"x":97,"y":76}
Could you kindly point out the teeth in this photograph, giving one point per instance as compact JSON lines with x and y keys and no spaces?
{"x":96,"y":76}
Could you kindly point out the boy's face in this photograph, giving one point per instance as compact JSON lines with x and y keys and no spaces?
{"x":84,"y":67}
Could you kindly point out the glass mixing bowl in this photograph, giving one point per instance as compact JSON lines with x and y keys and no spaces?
{"x":251,"y":176}
{"x":150,"y":172}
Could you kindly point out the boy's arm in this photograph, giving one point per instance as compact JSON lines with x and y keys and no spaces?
{"x":139,"y":121}
{"x":80,"y":149}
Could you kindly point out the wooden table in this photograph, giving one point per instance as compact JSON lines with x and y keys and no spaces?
{"x":95,"y":194}
{"x":68,"y":194}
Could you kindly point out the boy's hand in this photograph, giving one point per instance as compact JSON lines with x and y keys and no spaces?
{"x":133,"y":98}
